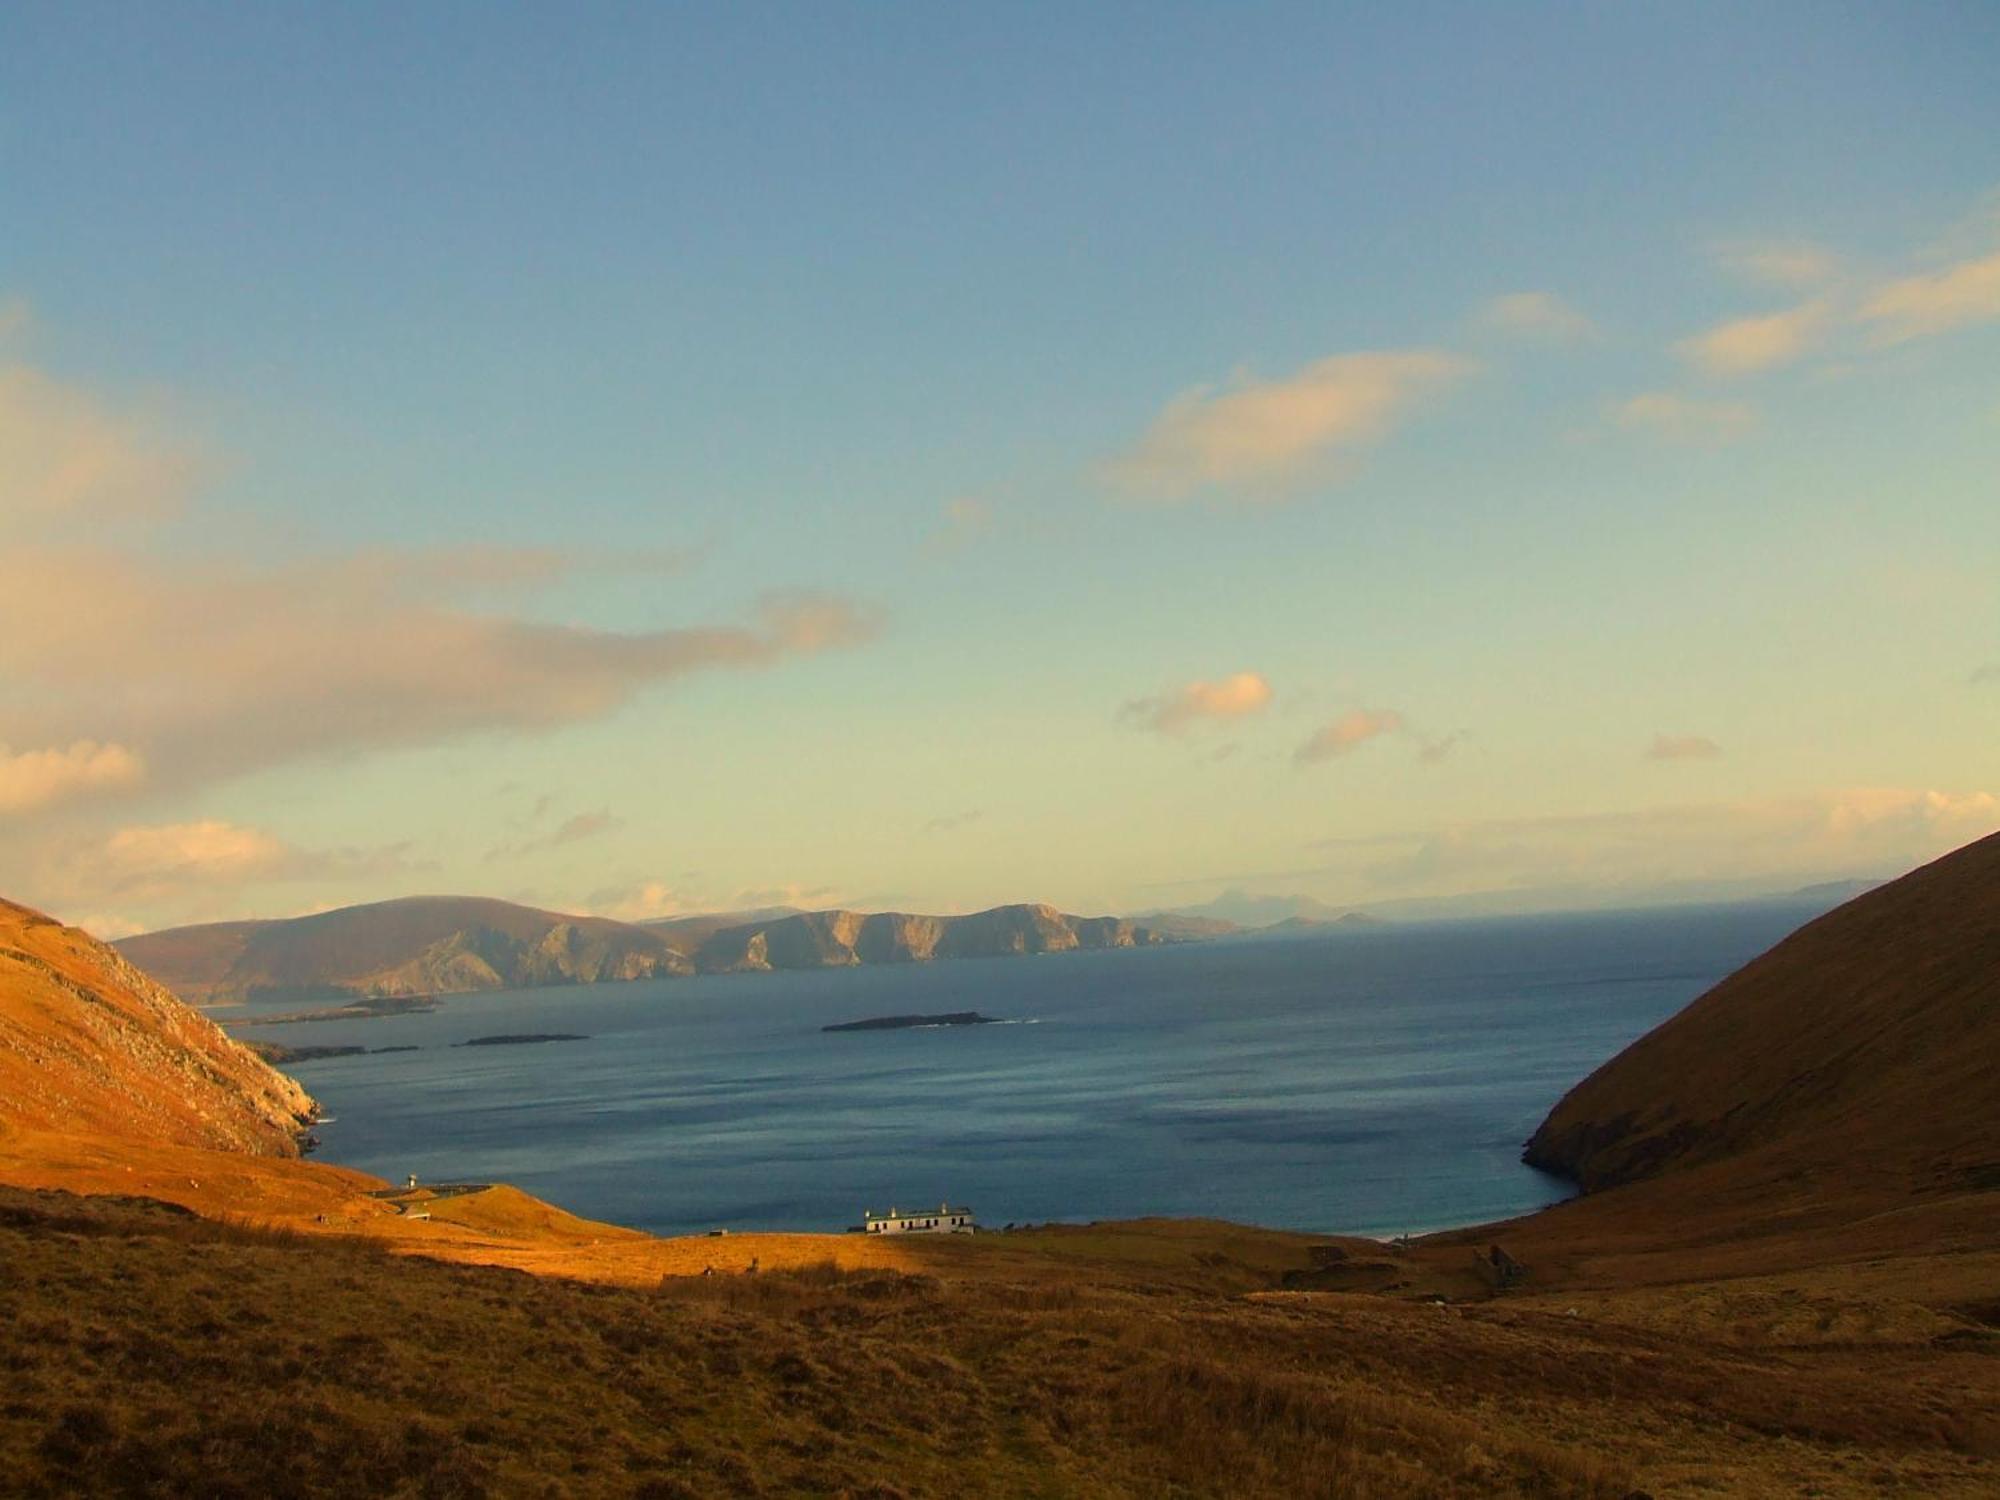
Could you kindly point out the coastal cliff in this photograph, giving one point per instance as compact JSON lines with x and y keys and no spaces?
{"x":451,"y":945}
{"x":89,"y":1046}
{"x":840,"y":939}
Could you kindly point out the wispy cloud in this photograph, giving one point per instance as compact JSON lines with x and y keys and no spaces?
{"x":573,"y":830}
{"x":1252,"y":437}
{"x":951,"y":821}
{"x":1352,"y":729}
{"x":1745,"y":346}
{"x":1935,"y":302}
{"x":1682,"y":747}
{"x":1181,"y":708}
{"x":1436,"y":750}
{"x":38,"y":778}
{"x":1541,"y":315}
{"x":1793,"y":263}
{"x":1681,"y":419}
{"x":1988,"y":673}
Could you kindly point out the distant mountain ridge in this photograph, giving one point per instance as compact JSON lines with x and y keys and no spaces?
{"x":444,"y":945}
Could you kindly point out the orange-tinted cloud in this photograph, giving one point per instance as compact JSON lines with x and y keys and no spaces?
{"x":1340,"y":737}
{"x":1262,"y":436}
{"x":38,"y":778}
{"x":1196,"y":702}
{"x":1745,"y":346}
{"x":217,"y":669}
{"x":1935,"y":302}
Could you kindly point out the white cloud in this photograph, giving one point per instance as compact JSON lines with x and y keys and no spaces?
{"x":1353,"y":728}
{"x":1935,"y":302}
{"x":1682,"y":747}
{"x":37,"y":778}
{"x":1267,"y":435}
{"x":1536,"y":315}
{"x":1680,"y":419}
{"x":1196,"y":702}
{"x":1745,"y":346}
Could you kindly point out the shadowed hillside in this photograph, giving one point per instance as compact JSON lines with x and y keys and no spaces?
{"x":1865,"y":1046}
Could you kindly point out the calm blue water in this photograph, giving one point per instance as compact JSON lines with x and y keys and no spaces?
{"x":1370,"y":1081}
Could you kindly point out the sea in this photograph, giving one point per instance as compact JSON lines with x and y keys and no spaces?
{"x":1369,"y":1080}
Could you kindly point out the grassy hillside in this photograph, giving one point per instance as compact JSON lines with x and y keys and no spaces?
{"x":89,"y":1045}
{"x":1866,"y":1044}
{"x":150,"y":1351}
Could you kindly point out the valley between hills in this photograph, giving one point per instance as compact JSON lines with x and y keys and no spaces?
{"x":1783,"y":1278}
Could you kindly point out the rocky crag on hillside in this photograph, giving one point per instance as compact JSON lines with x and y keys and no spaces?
{"x":91,"y":1046}
{"x":446,"y":945}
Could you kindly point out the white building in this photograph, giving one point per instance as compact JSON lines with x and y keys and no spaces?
{"x":944,"y":1219}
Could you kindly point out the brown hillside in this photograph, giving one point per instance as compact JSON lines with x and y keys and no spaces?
{"x":90,"y":1046}
{"x":1866,"y":1046}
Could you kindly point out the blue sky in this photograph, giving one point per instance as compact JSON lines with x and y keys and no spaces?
{"x":652,"y":458}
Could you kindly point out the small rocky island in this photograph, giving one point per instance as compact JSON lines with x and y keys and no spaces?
{"x":906,"y":1023}
{"x":523,"y":1039}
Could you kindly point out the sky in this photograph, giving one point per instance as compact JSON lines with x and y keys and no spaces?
{"x":645,"y":459}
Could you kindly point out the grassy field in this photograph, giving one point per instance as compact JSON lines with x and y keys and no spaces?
{"x":146,"y":1350}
